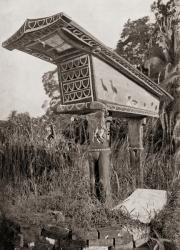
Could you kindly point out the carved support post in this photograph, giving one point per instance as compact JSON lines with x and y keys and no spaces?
{"x":99,"y":155}
{"x":135,"y":139}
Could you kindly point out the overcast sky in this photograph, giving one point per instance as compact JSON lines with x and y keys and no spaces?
{"x":21,"y":87}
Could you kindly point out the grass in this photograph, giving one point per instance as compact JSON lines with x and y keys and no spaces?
{"x":38,"y":176}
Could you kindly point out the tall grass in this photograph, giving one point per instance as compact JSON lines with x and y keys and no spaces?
{"x":39,"y":175}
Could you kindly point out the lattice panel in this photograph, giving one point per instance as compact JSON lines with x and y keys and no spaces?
{"x":76,"y":80}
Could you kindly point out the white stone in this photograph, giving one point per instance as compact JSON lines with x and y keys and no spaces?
{"x":51,"y":241}
{"x":31,"y":244}
{"x":143,"y":204}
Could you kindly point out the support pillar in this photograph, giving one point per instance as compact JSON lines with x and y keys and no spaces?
{"x":135,"y":139}
{"x":99,"y":155}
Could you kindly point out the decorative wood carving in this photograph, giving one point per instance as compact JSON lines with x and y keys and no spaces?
{"x":99,"y":155}
{"x":75,"y":79}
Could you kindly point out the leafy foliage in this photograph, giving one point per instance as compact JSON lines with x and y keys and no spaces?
{"x":152,"y":46}
{"x":51,"y":87}
{"x":133,"y":44}
{"x":168,"y":39}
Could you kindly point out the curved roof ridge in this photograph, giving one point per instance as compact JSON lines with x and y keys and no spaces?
{"x":31,"y":25}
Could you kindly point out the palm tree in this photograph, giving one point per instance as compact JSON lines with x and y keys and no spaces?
{"x":167,"y":61}
{"x":163,"y":63}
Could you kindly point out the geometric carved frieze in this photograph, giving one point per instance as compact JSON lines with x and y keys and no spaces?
{"x":76,"y":80}
{"x":87,"y":106}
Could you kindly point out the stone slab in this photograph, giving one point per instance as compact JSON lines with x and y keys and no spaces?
{"x":115,"y":232}
{"x":95,"y":248}
{"x":101,"y":242}
{"x":143,"y":204}
{"x":92,"y":235}
{"x":120,"y":246}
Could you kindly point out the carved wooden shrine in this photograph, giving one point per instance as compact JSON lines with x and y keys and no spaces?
{"x":93,"y":80}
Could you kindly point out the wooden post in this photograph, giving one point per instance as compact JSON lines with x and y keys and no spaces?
{"x":135,"y":139}
{"x":99,"y":155}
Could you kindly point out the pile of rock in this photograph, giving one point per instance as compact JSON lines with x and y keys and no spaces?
{"x":141,"y":207}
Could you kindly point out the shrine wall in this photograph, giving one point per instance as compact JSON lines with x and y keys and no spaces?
{"x":113,"y":87}
{"x":75,"y":80}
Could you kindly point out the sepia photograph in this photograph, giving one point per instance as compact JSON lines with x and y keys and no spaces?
{"x":90,"y":125}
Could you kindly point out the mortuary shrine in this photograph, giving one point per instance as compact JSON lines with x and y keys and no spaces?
{"x":96,"y":82}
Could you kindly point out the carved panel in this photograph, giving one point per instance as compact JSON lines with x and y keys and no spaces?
{"x":75,"y":77}
{"x":121,"y":93}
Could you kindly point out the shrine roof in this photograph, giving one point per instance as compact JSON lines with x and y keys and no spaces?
{"x":51,"y":38}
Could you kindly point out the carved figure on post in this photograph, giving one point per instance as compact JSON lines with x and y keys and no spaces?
{"x":99,"y":154}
